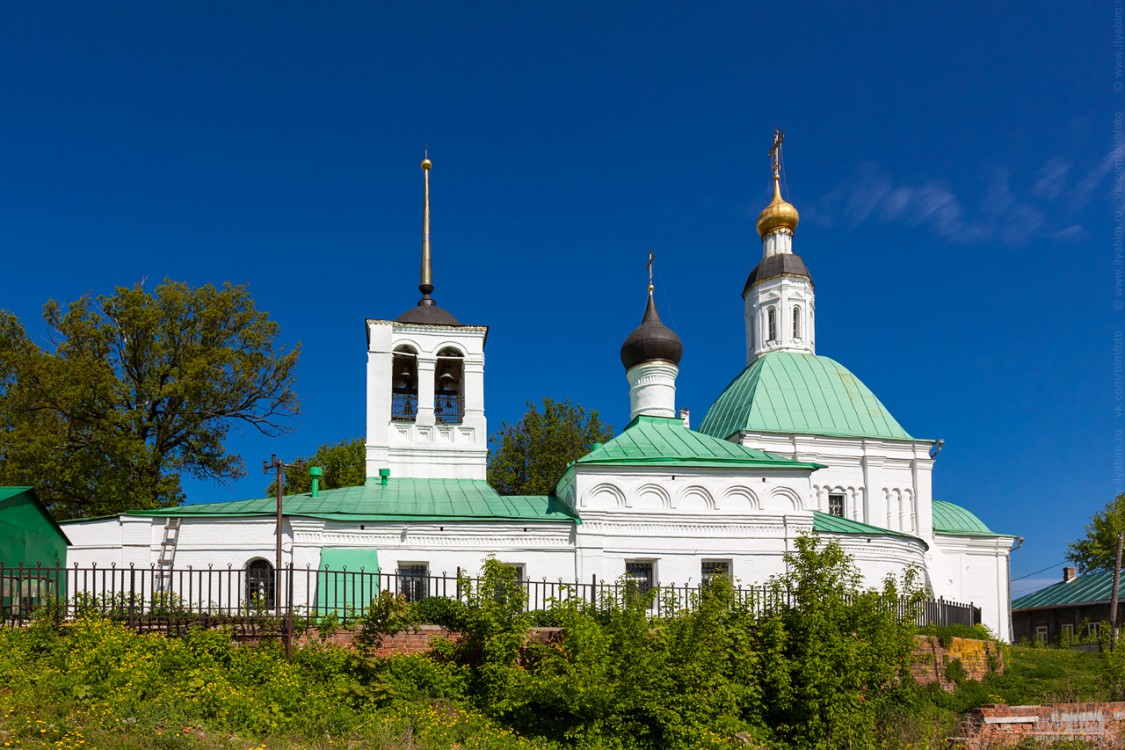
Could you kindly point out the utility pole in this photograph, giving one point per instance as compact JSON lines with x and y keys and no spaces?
{"x":1116,"y":586}
{"x":277,"y":465}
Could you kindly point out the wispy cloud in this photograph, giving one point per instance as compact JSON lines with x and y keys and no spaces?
{"x":1000,"y":210}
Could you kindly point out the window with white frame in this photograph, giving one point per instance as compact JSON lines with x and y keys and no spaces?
{"x":836,"y":505}
{"x":796,"y":321}
{"x":1067,"y":631}
{"x":771,"y":324}
{"x":714,"y":568}
{"x":641,"y":573}
{"x":1041,"y":633}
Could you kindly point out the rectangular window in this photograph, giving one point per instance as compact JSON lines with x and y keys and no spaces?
{"x":412,"y":581}
{"x":712,"y":568}
{"x":1041,"y":633}
{"x":518,"y":567}
{"x":641,"y":573}
{"x":836,"y":505}
{"x":1067,"y":632}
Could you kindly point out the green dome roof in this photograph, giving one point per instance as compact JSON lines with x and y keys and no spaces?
{"x":953,"y":519}
{"x":803,"y":394}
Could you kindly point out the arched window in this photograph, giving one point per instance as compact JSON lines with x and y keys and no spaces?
{"x":796,"y":321}
{"x":404,"y":384}
{"x":260,"y":585}
{"x":771,"y":324}
{"x":449,"y":396}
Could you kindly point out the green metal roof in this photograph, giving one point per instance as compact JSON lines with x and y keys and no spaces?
{"x":402,"y":499}
{"x":830,"y":524}
{"x":9,"y":493}
{"x":666,"y":441}
{"x":6,"y":492}
{"x":802,"y":394}
{"x":1094,"y":588}
{"x":953,"y":519}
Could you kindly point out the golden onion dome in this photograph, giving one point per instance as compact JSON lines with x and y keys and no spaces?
{"x":779,"y":214}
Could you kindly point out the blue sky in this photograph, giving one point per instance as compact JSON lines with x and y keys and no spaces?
{"x":955,"y":172}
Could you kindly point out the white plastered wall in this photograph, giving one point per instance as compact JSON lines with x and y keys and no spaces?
{"x":976,"y":570}
{"x":678,"y":518}
{"x":886,"y":483}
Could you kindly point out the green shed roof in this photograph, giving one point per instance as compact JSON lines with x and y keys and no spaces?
{"x":830,"y":524}
{"x":1093,"y":588}
{"x":803,"y":394}
{"x":10,"y":493}
{"x":402,"y":499}
{"x":953,"y":519}
{"x":666,"y":441}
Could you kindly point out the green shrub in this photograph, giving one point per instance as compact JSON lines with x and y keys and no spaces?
{"x":946,"y":633}
{"x":955,"y":671}
{"x":440,"y":610}
{"x":387,"y":614}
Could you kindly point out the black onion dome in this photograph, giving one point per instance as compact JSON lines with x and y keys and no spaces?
{"x":783,"y":264}
{"x":652,"y":340}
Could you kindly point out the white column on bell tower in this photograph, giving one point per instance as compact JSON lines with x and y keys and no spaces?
{"x":778,"y":297}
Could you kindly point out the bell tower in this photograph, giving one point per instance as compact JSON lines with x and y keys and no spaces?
{"x":425,"y":385}
{"x":778,"y":296}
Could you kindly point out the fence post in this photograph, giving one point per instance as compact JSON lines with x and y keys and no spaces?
{"x":289,"y":615}
{"x":594,"y":590}
{"x":132,"y":598}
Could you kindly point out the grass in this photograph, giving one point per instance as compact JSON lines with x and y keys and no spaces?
{"x":101,"y":686}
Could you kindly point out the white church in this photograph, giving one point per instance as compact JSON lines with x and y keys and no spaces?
{"x":794,"y":444}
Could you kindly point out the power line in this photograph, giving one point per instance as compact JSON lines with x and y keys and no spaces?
{"x":1040,"y":571}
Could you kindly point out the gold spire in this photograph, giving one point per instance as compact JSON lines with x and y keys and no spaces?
{"x":779,"y":215}
{"x":427,"y":285}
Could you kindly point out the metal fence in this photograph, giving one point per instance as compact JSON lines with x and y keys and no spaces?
{"x":257,"y":600}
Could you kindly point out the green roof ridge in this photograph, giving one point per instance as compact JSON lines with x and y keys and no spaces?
{"x":832,"y":524}
{"x":401,"y":499}
{"x":800,"y":393}
{"x":666,"y":441}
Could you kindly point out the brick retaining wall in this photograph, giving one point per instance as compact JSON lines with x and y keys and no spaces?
{"x":932,"y":660}
{"x":417,"y":640}
{"x":997,"y":726}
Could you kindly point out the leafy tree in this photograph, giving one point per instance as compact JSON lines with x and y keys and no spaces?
{"x":135,"y":389}
{"x":835,"y":659}
{"x":529,"y":458}
{"x":1097,"y":550}
{"x":344,"y":464}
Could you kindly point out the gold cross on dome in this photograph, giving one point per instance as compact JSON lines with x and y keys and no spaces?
{"x":651,"y":258}
{"x":775,"y":151}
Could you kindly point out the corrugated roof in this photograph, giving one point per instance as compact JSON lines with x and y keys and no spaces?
{"x":828,"y":523}
{"x":804,"y":394}
{"x":1092,"y":588}
{"x":953,"y":519}
{"x":402,"y":499}
{"x":663,"y":440}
